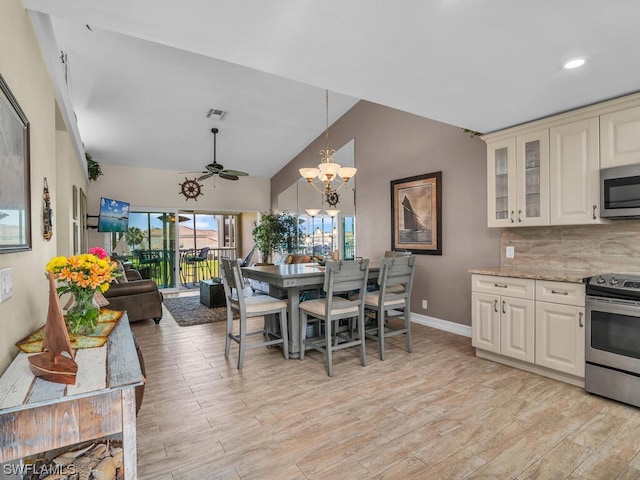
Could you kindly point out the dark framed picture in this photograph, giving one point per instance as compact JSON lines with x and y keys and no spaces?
{"x":75,"y":202}
{"x":416,"y":214}
{"x":15,"y":188}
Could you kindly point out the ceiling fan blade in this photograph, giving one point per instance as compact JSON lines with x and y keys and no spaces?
{"x":214,"y":167}
{"x":227,"y":176}
{"x":205,"y":176}
{"x":236,"y":173}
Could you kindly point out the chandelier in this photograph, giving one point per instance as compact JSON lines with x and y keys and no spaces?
{"x":328,"y":177}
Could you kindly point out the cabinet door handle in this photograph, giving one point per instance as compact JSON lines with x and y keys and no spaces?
{"x":504,"y":307}
{"x":499,"y":285}
{"x":519,"y":213}
{"x":495,"y":305}
{"x":580,"y":324}
{"x":512,"y":212}
{"x":595,"y":207}
{"x":559,"y":292}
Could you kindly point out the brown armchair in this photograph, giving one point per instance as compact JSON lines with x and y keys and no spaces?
{"x":140,"y":298}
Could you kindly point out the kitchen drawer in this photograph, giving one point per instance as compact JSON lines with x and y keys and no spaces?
{"x":507,"y":286}
{"x":560,"y":292}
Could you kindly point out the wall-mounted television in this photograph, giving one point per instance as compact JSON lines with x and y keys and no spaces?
{"x":114,"y":215}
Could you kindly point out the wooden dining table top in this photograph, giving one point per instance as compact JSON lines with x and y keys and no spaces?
{"x":293,"y":274}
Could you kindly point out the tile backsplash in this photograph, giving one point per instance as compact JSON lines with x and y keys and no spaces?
{"x":614,"y":247}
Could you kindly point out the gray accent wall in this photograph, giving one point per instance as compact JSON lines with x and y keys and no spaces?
{"x":389,"y":145}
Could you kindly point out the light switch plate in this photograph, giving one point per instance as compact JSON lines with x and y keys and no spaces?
{"x":511,"y":252}
{"x":6,"y":283}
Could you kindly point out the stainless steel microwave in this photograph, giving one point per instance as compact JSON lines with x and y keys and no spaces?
{"x":620,"y":192}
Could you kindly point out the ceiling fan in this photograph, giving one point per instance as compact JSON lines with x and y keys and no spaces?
{"x":217,"y":169}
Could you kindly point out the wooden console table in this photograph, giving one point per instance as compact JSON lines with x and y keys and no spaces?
{"x":37,"y":416}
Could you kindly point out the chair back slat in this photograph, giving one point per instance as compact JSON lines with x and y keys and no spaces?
{"x":397,"y":271}
{"x":345,"y":276}
{"x":227,"y":273}
{"x":232,"y":280}
{"x":397,"y":253}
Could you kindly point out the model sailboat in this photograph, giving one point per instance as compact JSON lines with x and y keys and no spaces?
{"x":122,"y":248}
{"x":56,"y":363}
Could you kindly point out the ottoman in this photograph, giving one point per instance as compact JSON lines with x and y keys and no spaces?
{"x":212,"y":293}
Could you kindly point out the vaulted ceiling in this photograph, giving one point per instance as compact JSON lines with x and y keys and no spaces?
{"x":141,"y":76}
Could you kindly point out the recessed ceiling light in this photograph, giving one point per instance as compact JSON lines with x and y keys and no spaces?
{"x":575,"y":63}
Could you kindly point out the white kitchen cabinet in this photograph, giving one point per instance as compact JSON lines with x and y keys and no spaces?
{"x":620,"y":138}
{"x":537,"y":325}
{"x":580,"y":143}
{"x":485,"y":323}
{"x":517,"y":328}
{"x":518,"y":180}
{"x":574,"y":175}
{"x":560,"y":337}
{"x":503,"y":316}
{"x":501,"y":182}
{"x":560,"y":333}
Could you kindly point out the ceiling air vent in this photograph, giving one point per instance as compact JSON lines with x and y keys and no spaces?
{"x":214,"y":112}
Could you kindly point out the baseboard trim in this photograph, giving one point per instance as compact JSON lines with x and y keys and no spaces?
{"x":445,"y":325}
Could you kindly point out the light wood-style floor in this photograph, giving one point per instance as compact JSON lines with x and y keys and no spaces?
{"x":436,"y":413}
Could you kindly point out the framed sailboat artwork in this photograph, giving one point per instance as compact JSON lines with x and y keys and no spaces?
{"x":416,"y":214}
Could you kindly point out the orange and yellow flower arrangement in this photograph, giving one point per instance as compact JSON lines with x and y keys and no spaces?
{"x":81,"y":275}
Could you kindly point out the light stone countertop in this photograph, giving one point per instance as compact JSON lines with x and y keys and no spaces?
{"x":555,"y":275}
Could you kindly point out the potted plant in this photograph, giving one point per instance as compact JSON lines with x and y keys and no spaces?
{"x":276,"y":232}
{"x":93,"y":168}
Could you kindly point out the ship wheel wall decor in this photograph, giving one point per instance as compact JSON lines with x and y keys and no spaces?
{"x":190,"y":189}
{"x":333,"y":199}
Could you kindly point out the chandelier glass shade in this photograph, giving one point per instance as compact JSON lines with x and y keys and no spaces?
{"x":328,"y":177}
{"x":312,"y":212}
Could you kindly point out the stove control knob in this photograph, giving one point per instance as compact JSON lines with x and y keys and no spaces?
{"x":613,"y":281}
{"x":601,"y":281}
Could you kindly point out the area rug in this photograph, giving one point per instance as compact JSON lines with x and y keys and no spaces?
{"x":188,"y":311}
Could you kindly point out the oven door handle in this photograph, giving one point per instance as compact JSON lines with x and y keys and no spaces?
{"x":609,"y":302}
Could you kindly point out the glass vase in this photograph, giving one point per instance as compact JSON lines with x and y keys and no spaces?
{"x":82,"y":316}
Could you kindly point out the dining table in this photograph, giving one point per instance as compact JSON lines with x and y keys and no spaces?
{"x":292,"y":280}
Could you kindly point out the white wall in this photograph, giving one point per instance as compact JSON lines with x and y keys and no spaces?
{"x":23,"y":68}
{"x":68,"y":175}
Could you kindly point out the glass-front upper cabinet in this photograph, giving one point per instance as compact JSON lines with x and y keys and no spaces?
{"x":518,"y":180}
{"x":533,"y":178}
{"x":501,"y":183}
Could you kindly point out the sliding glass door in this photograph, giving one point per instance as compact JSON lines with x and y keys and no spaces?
{"x":203,"y":239}
{"x":162,"y":246}
{"x":151,"y":240}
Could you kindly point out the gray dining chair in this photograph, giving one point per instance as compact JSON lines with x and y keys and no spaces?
{"x":391,"y":300}
{"x":396,"y":253}
{"x":340,"y":277}
{"x":247,"y":307}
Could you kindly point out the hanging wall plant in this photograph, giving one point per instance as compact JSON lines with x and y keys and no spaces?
{"x":93,"y":168}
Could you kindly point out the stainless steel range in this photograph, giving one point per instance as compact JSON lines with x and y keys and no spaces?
{"x":612,"y":333}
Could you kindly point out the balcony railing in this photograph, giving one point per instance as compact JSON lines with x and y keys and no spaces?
{"x":195,"y":267}
{"x":159,"y":265}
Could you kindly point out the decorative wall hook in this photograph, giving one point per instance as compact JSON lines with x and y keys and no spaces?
{"x":47,"y":214}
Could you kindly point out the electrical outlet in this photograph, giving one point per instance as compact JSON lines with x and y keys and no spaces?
{"x":511,"y":252}
{"x":424,"y":304}
{"x":6,"y":283}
